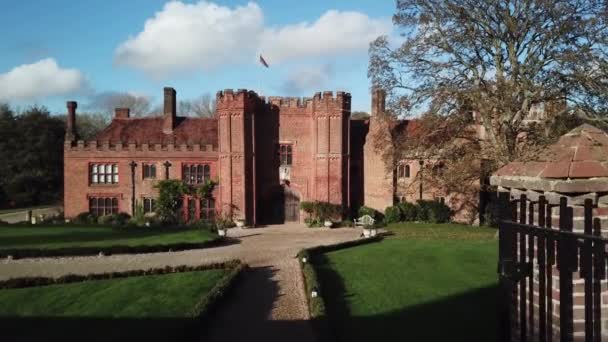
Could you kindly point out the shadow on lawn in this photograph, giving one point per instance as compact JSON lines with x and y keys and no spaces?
{"x":469,"y":316}
{"x":243,"y":314}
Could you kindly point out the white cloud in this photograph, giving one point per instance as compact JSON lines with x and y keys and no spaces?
{"x":204,"y":36}
{"x":333,"y":33}
{"x":185,"y":37}
{"x":307,"y":79}
{"x":38,"y":80}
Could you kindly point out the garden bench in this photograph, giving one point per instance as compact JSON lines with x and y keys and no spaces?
{"x":364,"y":220}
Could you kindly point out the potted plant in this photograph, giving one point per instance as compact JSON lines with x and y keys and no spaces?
{"x":369,"y":230}
{"x":221,"y":226}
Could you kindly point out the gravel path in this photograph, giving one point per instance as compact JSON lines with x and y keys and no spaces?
{"x":269,"y":303}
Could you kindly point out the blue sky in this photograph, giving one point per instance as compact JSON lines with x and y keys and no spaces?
{"x":59,"y":50}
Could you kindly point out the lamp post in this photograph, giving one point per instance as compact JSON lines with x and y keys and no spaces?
{"x":421,"y":162}
{"x":167,"y":165}
{"x":133,"y":164}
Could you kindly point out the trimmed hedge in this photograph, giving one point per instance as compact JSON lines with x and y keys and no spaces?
{"x":18,"y":253}
{"x":424,"y":211}
{"x":392,"y":214}
{"x":15,"y":283}
{"x":195,"y":319}
{"x":316,"y":306}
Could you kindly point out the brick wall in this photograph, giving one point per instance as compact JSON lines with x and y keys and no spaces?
{"x":78,"y":156}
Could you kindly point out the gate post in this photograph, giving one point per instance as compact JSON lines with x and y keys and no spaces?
{"x":505,"y":260}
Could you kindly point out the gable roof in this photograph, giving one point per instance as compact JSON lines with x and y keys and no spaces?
{"x":149,"y":130}
{"x":580,"y":153}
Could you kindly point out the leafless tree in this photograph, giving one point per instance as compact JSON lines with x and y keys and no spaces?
{"x":497,"y":59}
{"x":202,"y":106}
{"x":106,"y":102}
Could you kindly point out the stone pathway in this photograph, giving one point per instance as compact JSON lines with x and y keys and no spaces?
{"x":269,"y":303}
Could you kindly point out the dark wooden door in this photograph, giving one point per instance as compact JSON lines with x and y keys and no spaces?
{"x":292,"y":207}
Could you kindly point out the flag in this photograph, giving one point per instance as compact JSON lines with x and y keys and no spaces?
{"x":263,"y":61}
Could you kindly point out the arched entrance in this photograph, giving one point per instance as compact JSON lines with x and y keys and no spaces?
{"x":280,"y":206}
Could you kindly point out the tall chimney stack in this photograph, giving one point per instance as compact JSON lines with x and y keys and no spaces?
{"x":378,"y":101}
{"x":70,"y":129}
{"x":122,"y":113}
{"x":170,"y":111}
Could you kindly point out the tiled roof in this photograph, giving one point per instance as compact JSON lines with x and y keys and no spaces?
{"x":580,"y":153}
{"x":188,"y":130}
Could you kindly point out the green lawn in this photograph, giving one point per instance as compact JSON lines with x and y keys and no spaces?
{"x":154,"y":307}
{"x":53,"y":237}
{"x":424,"y":283}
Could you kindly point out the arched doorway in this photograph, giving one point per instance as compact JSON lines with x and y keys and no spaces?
{"x":291,"y":204}
{"x":280,"y":205}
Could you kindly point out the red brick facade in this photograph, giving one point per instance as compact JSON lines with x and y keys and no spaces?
{"x":240,"y":145}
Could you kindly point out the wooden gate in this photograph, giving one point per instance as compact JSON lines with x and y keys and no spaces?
{"x":534,"y":255}
{"x":292,"y":205}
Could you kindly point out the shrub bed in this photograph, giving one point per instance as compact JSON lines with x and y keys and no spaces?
{"x":22,"y":282}
{"x":422,"y":210}
{"x":19,"y":253}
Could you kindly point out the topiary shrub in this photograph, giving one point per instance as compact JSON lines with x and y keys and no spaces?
{"x":433,"y":211}
{"x":116,"y":220}
{"x":85,"y":218}
{"x":392,"y":214}
{"x":409,"y":211}
{"x":423,"y":213}
{"x":439,"y":212}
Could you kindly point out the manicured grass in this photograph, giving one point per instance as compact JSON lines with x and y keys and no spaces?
{"x":156,"y":307}
{"x":54,"y":237}
{"x":424,"y":283}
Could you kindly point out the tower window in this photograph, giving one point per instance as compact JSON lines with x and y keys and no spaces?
{"x":285,"y":154}
{"x":149,"y":171}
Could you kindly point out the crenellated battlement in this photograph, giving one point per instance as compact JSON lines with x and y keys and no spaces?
{"x":107,"y":146}
{"x":289,"y":102}
{"x":227,"y":95}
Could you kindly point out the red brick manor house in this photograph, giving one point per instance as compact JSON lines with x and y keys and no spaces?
{"x":267,"y":154}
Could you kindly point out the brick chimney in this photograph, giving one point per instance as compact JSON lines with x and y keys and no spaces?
{"x":378,"y":101}
{"x":70,"y":129}
{"x":122,"y":113}
{"x":170,"y":111}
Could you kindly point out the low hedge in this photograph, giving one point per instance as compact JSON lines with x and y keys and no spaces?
{"x":19,"y":253}
{"x":316,"y":306}
{"x":195,"y":320}
{"x":15,"y":283}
